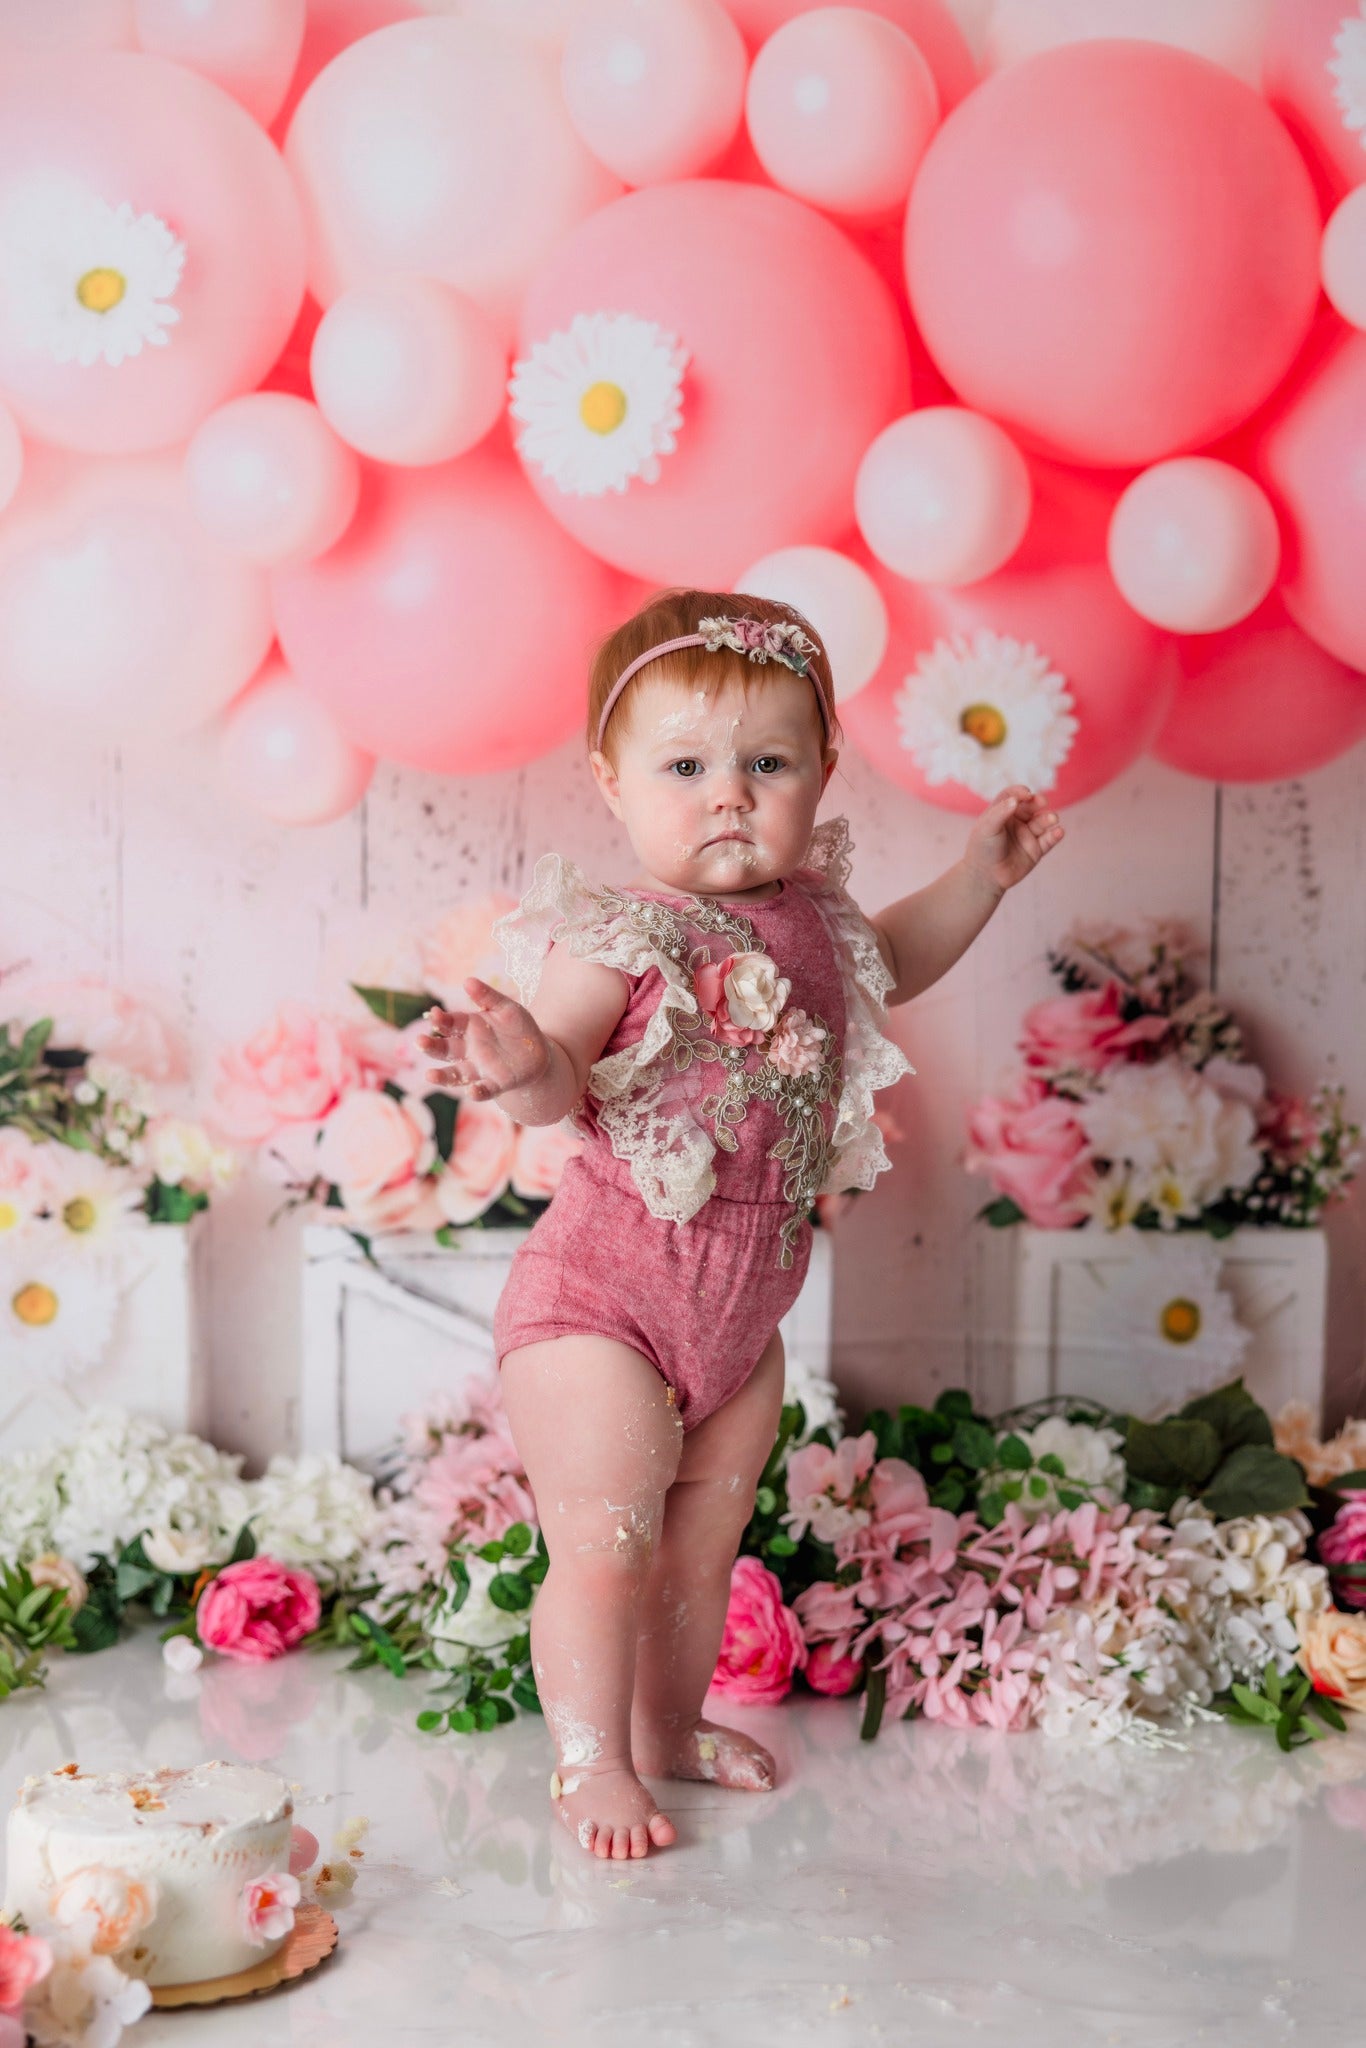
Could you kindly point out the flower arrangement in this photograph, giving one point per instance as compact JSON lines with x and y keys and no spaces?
{"x":341,"y":1109}
{"x":1135,"y":1104}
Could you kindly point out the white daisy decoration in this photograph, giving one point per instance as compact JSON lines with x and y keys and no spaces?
{"x":56,"y":1312}
{"x":92,"y":1204}
{"x":1166,"y":1321}
{"x":601,"y":401}
{"x":985,"y":710}
{"x":1347,"y":69}
{"x":19,"y":1213}
{"x":86,"y":281}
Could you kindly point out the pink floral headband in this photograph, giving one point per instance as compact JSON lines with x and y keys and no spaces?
{"x":757,"y":639}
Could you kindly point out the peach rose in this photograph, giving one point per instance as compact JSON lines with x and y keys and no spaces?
{"x":541,"y":1154}
{"x":762,"y":1643}
{"x":115,"y":1905}
{"x":740,"y":997}
{"x":1082,"y":1033}
{"x":295,"y":1070}
{"x":52,"y":1569}
{"x":480,"y":1165}
{"x":1333,"y":1651}
{"x":379,"y":1152}
{"x":1032,"y":1148}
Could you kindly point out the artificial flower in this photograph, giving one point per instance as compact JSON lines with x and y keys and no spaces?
{"x":740,"y":996}
{"x":1179,"y":1143}
{"x":477,"y":1624}
{"x":601,"y":401}
{"x":1164,"y":1319}
{"x":827,"y":1673}
{"x":85,"y":2000}
{"x":182,"y":1655}
{"x":26,"y":1187}
{"x":314,"y":1510}
{"x":762,"y":1643}
{"x":182,"y":1552}
{"x":105,"y":1904}
{"x":798,"y":1045}
{"x":1073,"y":1038}
{"x":25,"y":1960}
{"x":92,"y":1015}
{"x":821,"y":1484}
{"x":480,"y":1166}
{"x":93,"y":1204}
{"x":257,"y":1609}
{"x":1344,"y":1542}
{"x":57,"y":1310}
{"x":1032,"y":1149}
{"x":1333,"y":1652}
{"x":377,"y":1150}
{"x":50,"y":1568}
{"x":295,"y":1070}
{"x":183,"y":1155}
{"x":462,"y":944}
{"x":1347,"y":68}
{"x":87,"y":281}
{"x":267,"y":1906}
{"x":1090,"y":1457}
{"x":985,"y":710}
{"x":1297,"y":1436}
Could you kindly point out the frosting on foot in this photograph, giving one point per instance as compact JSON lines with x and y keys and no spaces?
{"x":721,"y":1756}
{"x":609,"y":1812}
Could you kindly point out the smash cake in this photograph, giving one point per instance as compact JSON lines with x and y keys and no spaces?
{"x":195,"y":1846}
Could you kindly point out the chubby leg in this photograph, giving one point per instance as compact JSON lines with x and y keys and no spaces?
{"x":600,"y":1440}
{"x":705,"y":1515}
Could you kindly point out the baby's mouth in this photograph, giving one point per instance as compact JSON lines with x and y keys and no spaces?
{"x":722,"y":838}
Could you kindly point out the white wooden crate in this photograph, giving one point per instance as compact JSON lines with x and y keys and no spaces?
{"x":379,"y":1344}
{"x":156,"y":1361}
{"x":1037,"y":1319}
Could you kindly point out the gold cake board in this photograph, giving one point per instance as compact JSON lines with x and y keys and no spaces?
{"x":309,"y":1942}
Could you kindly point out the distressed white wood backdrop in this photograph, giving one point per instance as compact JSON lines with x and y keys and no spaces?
{"x":143,"y":870}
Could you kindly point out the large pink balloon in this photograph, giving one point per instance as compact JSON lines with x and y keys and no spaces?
{"x":136,"y":131}
{"x":451,"y":628}
{"x":270,"y":480}
{"x":281,"y":752}
{"x":409,"y":370}
{"x":1310,"y":456}
{"x":119,"y":616}
{"x":1112,"y":249}
{"x":442,"y":147}
{"x":331,"y":27}
{"x":1315,"y":78}
{"x":1260,"y":703}
{"x":776,"y":412}
{"x":931,"y":25}
{"x":27,"y":25}
{"x":1227,"y":32}
{"x":655,"y":92}
{"x":249,"y":47}
{"x":841,"y":106}
{"x":1053,"y":612}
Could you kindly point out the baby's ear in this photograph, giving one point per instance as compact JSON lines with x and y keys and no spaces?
{"x":605,"y":775}
{"x":831,"y":760}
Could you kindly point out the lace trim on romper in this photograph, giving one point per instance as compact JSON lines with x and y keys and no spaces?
{"x":643,"y":1109}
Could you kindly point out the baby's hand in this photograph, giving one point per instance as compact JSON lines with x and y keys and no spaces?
{"x":492,"y":1047}
{"x":1010,"y":839}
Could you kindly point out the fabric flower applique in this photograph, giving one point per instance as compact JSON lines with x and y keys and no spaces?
{"x":798,"y":1044}
{"x":268,"y":1906}
{"x":741,"y":997}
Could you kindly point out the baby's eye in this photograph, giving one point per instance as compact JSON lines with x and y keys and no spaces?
{"x":689,"y":770}
{"x":769,"y":764}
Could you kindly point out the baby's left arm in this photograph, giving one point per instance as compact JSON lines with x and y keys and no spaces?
{"x":921,"y":936}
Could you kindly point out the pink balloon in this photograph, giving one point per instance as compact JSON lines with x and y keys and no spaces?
{"x":988,"y":662}
{"x":280,"y":752}
{"x":27,"y":25}
{"x":249,"y":47}
{"x":119,"y":616}
{"x":269,"y":479}
{"x":470,"y":170}
{"x":1112,"y":249}
{"x":1227,"y":32}
{"x":451,"y":629}
{"x":841,"y":107}
{"x":11,"y":456}
{"x":838,"y":595}
{"x":409,"y":370}
{"x":1308,"y":455}
{"x":943,"y":496}
{"x":331,"y":27}
{"x":1260,"y":703}
{"x":1315,"y":65}
{"x":776,"y":413}
{"x":114,"y":130}
{"x":1194,"y":545}
{"x":655,"y":92}
{"x":1343,"y":258}
{"x":931,"y":25}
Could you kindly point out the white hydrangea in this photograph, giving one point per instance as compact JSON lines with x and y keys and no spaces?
{"x":478,"y":1624}
{"x":30,"y":1501}
{"x":818,"y":1396}
{"x":123,"y":1474}
{"x":314,"y":1511}
{"x":1089,"y":1456}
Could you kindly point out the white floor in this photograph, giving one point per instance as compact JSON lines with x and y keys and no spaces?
{"x":926,"y":1888}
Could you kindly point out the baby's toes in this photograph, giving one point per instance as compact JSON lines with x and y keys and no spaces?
{"x":662,"y":1831}
{"x":621,"y":1843}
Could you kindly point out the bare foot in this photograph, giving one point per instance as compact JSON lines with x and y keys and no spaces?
{"x":610,"y":1812}
{"x":723,"y":1756}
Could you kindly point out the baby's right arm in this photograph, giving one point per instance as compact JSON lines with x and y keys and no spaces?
{"x":536,"y":1061}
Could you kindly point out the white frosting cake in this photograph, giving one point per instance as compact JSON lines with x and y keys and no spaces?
{"x":200,"y":1835}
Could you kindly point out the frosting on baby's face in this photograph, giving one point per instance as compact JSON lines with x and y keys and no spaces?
{"x":718,"y":795}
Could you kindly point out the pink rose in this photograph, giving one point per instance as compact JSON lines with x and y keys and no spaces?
{"x":825,"y":1672}
{"x":762,"y":1643}
{"x":1032,"y":1148}
{"x":1083,"y":1033}
{"x":257,"y":1609}
{"x":740,"y":997}
{"x":1345,"y":1543}
{"x":268,"y":1906}
{"x":797,"y":1045}
{"x":89,"y":1013}
{"x":541,"y":1155}
{"x":480,"y":1165}
{"x":378,"y":1151}
{"x":296,"y":1069}
{"x":25,"y":1960}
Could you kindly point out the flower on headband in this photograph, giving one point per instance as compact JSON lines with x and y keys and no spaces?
{"x":602,"y":401}
{"x":761,"y":640}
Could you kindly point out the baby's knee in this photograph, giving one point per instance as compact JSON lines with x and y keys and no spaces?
{"x":607,"y":1538}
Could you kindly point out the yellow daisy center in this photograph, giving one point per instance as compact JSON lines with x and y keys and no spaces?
{"x":983,"y":723}
{"x":9,"y":1214}
{"x":99,"y":291}
{"x":603,"y":408}
{"x":1179,"y":1321}
{"x":79,"y":1214}
{"x":36,"y":1305}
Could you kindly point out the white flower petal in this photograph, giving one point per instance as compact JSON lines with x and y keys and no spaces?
{"x":1020,"y":701}
{"x":633,"y":358}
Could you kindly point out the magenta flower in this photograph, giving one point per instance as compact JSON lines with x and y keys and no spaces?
{"x":761,"y":1644}
{"x":1345,"y":1543}
{"x":257,"y":1609}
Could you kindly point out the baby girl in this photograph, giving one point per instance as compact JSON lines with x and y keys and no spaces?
{"x":716,"y":1029}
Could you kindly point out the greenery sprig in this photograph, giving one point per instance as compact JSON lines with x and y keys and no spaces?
{"x":1282,"y":1703}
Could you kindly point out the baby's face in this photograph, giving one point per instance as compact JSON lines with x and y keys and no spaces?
{"x":717,"y":795}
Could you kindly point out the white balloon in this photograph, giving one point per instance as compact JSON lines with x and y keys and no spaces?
{"x":943,"y":496}
{"x":408,"y":370}
{"x":1343,"y":257}
{"x":842,"y":602}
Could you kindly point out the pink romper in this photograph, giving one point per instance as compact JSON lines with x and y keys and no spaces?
{"x":681,"y":1228}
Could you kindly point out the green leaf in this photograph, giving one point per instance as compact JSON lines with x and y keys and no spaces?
{"x":1141,"y":1493}
{"x":1349,"y":1482}
{"x":1327,"y":1709}
{"x":245,"y":1546}
{"x":1271,"y":1684}
{"x":873,"y":1705}
{"x":1254,"y":1480}
{"x":1069,"y":1498}
{"x":96,"y":1627}
{"x":949,"y":1493}
{"x":1284,"y":1727}
{"x":1001,"y":1213}
{"x":443,"y":1108}
{"x":1012,"y":1489}
{"x":396,"y":1006}
{"x":1013,"y":1452}
{"x":429,"y":1720}
{"x":781,"y":1545}
{"x":941,"y":1454}
{"x":502,"y":1711}
{"x":990,"y":1510}
{"x":955,"y":1402}
{"x":462,"y":1721}
{"x":974,"y":1444}
{"x":765,"y":1500}
{"x":1254,"y":1704}
{"x":1053,"y":1465}
{"x":1038,"y":1486}
{"x":486,"y":1714}
{"x":1174,"y":1453}
{"x":1234,"y":1416}
{"x":511,"y":1593}
{"x":517,"y":1541}
{"x":131,"y":1580}
{"x":526,"y":1695}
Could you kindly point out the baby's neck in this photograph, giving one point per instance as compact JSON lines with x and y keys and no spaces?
{"x":651,"y":884}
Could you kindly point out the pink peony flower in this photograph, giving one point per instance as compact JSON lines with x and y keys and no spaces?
{"x":541,"y":1155}
{"x":761,"y":1644}
{"x":296,"y":1069}
{"x":1083,"y":1033}
{"x":740,"y":997}
{"x":1032,"y":1148}
{"x":90,"y":1013}
{"x":825,"y":1672}
{"x":797,"y":1045}
{"x":268,"y":1906}
{"x":257,"y":1609}
{"x":475,"y":1483}
{"x":480,"y":1165}
{"x":1345,"y":1543}
{"x":25,"y":1960}
{"x":379,"y":1152}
